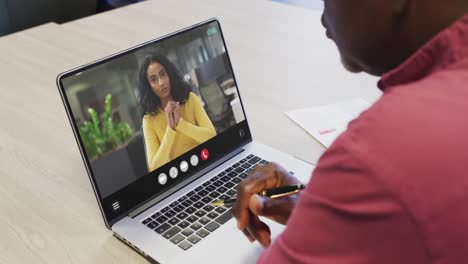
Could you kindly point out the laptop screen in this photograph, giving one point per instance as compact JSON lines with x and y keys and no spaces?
{"x":152,"y":116}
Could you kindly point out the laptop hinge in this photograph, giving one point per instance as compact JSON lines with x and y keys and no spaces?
{"x":140,"y":209}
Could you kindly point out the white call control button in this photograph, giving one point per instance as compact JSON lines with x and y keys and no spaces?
{"x":162,"y":178}
{"x":194,"y":160}
{"x":173,"y":172}
{"x":184,"y":166}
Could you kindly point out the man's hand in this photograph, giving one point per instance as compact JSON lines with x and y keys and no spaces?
{"x":249,"y":205}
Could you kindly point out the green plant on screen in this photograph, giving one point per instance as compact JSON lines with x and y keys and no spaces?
{"x":101,"y":136}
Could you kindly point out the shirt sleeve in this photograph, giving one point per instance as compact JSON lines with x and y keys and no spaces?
{"x":347,"y":216}
{"x":157,"y":152}
{"x":203,"y":129}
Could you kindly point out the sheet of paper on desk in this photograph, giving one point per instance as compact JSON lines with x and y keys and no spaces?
{"x":326,"y":123}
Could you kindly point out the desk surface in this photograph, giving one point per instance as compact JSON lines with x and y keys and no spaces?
{"x":282,"y":61}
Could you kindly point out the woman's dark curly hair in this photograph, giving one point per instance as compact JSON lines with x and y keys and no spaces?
{"x":150,"y":102}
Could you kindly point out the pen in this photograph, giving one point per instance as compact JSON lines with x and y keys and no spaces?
{"x":272,"y":193}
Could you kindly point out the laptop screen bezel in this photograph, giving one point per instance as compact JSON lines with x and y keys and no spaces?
{"x":111,"y":218}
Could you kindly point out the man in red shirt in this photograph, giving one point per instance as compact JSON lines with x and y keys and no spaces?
{"x":392,"y":188}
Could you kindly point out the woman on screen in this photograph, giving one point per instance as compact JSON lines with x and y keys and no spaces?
{"x":174,"y":119}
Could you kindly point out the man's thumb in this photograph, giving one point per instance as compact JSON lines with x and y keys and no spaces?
{"x":264,"y":206}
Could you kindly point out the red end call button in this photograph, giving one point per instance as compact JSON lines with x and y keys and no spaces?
{"x":204,"y":154}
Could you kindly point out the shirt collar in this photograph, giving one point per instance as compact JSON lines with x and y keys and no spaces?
{"x":447,"y":48}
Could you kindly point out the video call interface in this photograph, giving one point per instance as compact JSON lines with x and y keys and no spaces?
{"x":144,"y":109}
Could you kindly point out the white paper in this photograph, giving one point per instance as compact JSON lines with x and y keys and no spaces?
{"x":326,"y":123}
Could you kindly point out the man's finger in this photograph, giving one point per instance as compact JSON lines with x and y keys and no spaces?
{"x":256,"y":182}
{"x":248,"y":235}
{"x":259,"y":230}
{"x":275,"y":209}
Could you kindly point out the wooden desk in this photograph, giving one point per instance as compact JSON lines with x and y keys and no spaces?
{"x":282,"y":61}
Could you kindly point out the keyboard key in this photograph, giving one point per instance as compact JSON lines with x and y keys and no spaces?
{"x":263,"y":162}
{"x":173,"y":221}
{"x":187,"y":232}
{"x":243,"y":160}
{"x":231,"y":193}
{"x":161,"y":219}
{"x":249,"y":171}
{"x":196,"y":226}
{"x":214,"y":195}
{"x":165,"y":209}
{"x":242,"y":176}
{"x":204,"y":221}
{"x":254,"y":160}
{"x":229,"y":185}
{"x":218,"y":183}
{"x":190,"y":210}
{"x":246,"y":165}
{"x":210,"y":188}
{"x":194,"y":239}
{"x":199,"y":188}
{"x":212,"y":226}
{"x":200,"y":213}
{"x":220,"y":210}
{"x":185,"y":245}
{"x":224,"y":197}
{"x":235,"y":165}
{"x":232,"y":174}
{"x":177,"y":239}
{"x":224,"y":217}
{"x":190,"y":193}
{"x":202,"y":232}
{"x":208,"y":207}
{"x":225,"y":179}
{"x":182,"y":215}
{"x":187,"y":203}
{"x":228,"y":170}
{"x":222,"y":174}
{"x":162,"y":228}
{"x":198,"y":205}
{"x":174,"y":204}
{"x":181,"y":199}
{"x":236,"y":180}
{"x":222,"y":189}
{"x":195,"y":198}
{"x":170,"y":214}
{"x":192,"y":219}
{"x":147,"y":220}
{"x":152,"y":225}
{"x":206,"y":183}
{"x":156,"y":215}
{"x":250,"y":156}
{"x":171,"y":232}
{"x":239,"y":170}
{"x":212,"y":215}
{"x":183,"y":224}
{"x":202,"y":193}
{"x":206,"y":200}
{"x":179,"y":208}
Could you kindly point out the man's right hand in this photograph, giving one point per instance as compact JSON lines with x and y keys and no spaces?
{"x":249,"y":205}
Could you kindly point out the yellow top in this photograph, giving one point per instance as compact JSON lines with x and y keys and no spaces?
{"x":163,"y":144}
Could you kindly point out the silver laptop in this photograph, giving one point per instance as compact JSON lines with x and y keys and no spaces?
{"x":155,"y":172}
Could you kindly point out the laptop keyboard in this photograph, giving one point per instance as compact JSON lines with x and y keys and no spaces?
{"x":191,"y":218}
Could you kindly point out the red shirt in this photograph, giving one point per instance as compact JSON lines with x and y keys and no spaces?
{"x":394,"y":187}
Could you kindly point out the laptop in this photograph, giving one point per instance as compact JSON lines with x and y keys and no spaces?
{"x":163,"y":133}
